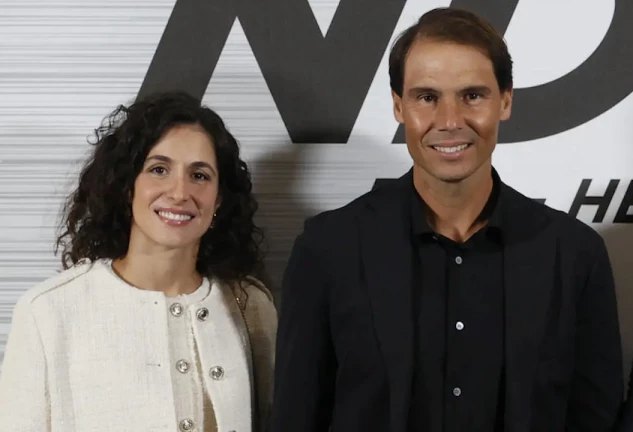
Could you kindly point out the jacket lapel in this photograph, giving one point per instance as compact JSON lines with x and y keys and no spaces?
{"x":527,"y":297}
{"x":387,"y":255}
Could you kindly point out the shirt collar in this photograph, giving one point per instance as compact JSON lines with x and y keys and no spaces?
{"x":492,"y":211}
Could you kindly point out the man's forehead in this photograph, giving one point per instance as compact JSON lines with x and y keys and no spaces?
{"x":427,"y":68}
{"x":455,"y":80}
{"x":446,"y":56}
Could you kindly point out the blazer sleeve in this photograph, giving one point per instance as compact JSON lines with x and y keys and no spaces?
{"x":625,"y":421}
{"x":305,"y":366}
{"x":261,"y":317}
{"x":24,"y":403}
{"x":597,"y":386}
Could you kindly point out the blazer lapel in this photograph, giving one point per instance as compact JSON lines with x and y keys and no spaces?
{"x":387,"y":258}
{"x":527,"y":298}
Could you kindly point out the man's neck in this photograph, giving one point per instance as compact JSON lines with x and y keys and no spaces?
{"x":455,"y":207}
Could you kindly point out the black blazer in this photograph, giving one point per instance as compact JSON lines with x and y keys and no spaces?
{"x":345,"y":340}
{"x":625,"y":422}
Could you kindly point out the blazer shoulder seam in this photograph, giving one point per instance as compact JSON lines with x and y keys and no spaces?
{"x":57,"y":281}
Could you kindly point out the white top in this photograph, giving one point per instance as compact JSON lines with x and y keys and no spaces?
{"x":193,"y":404}
{"x":89,"y":353}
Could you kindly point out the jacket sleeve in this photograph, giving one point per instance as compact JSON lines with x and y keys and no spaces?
{"x":261,"y":318}
{"x":625,"y":421}
{"x":597,"y":387}
{"x":305,"y":366}
{"x":24,"y":402}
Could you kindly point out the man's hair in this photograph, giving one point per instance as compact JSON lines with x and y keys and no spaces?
{"x":455,"y":26}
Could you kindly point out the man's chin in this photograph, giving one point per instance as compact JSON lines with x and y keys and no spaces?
{"x":447,"y":174}
{"x":453,"y":176}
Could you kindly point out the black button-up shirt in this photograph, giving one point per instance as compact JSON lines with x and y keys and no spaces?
{"x":459,"y":369}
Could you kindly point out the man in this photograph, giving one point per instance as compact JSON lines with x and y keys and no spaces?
{"x":625,"y":418}
{"x":448,"y":301}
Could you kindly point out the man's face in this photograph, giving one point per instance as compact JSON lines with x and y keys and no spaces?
{"x":451,"y":107}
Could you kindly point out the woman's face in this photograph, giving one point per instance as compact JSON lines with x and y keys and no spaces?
{"x":176,"y":192}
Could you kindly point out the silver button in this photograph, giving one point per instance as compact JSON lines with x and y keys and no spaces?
{"x":176,"y":309}
{"x":459,"y":260}
{"x":186,"y":425}
{"x":459,"y":325}
{"x":182,"y":366}
{"x":203,"y":314}
{"x":457,"y":391}
{"x":217,"y":373}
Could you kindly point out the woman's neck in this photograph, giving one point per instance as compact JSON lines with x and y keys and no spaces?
{"x":172,"y":272}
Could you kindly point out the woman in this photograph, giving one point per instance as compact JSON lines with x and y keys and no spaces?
{"x":156,"y":323}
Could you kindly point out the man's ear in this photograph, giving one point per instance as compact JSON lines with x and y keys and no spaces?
{"x":397,"y":107}
{"x":506,"y":104}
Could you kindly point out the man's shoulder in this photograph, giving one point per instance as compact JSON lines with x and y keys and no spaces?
{"x":341,"y":219}
{"x":555,"y":222}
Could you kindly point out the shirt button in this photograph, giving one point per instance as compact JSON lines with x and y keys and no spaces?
{"x":217,"y":373}
{"x":186,"y":425}
{"x":459,"y":260}
{"x":457,"y":391}
{"x":459,"y":325}
{"x":182,"y":366}
{"x":176,"y":309}
{"x":203,"y":314}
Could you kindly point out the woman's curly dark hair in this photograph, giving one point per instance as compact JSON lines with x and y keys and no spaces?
{"x":97,"y":215}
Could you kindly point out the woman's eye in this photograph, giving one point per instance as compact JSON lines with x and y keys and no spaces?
{"x":428,"y":98}
{"x":201,"y":176}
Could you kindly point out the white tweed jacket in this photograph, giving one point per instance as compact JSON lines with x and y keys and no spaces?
{"x":84,"y":355}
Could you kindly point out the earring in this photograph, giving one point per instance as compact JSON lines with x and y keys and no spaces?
{"x":213,"y":220}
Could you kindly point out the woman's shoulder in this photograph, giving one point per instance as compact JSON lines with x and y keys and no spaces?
{"x":56,"y":283}
{"x":252,"y":294}
{"x":255,"y":286}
